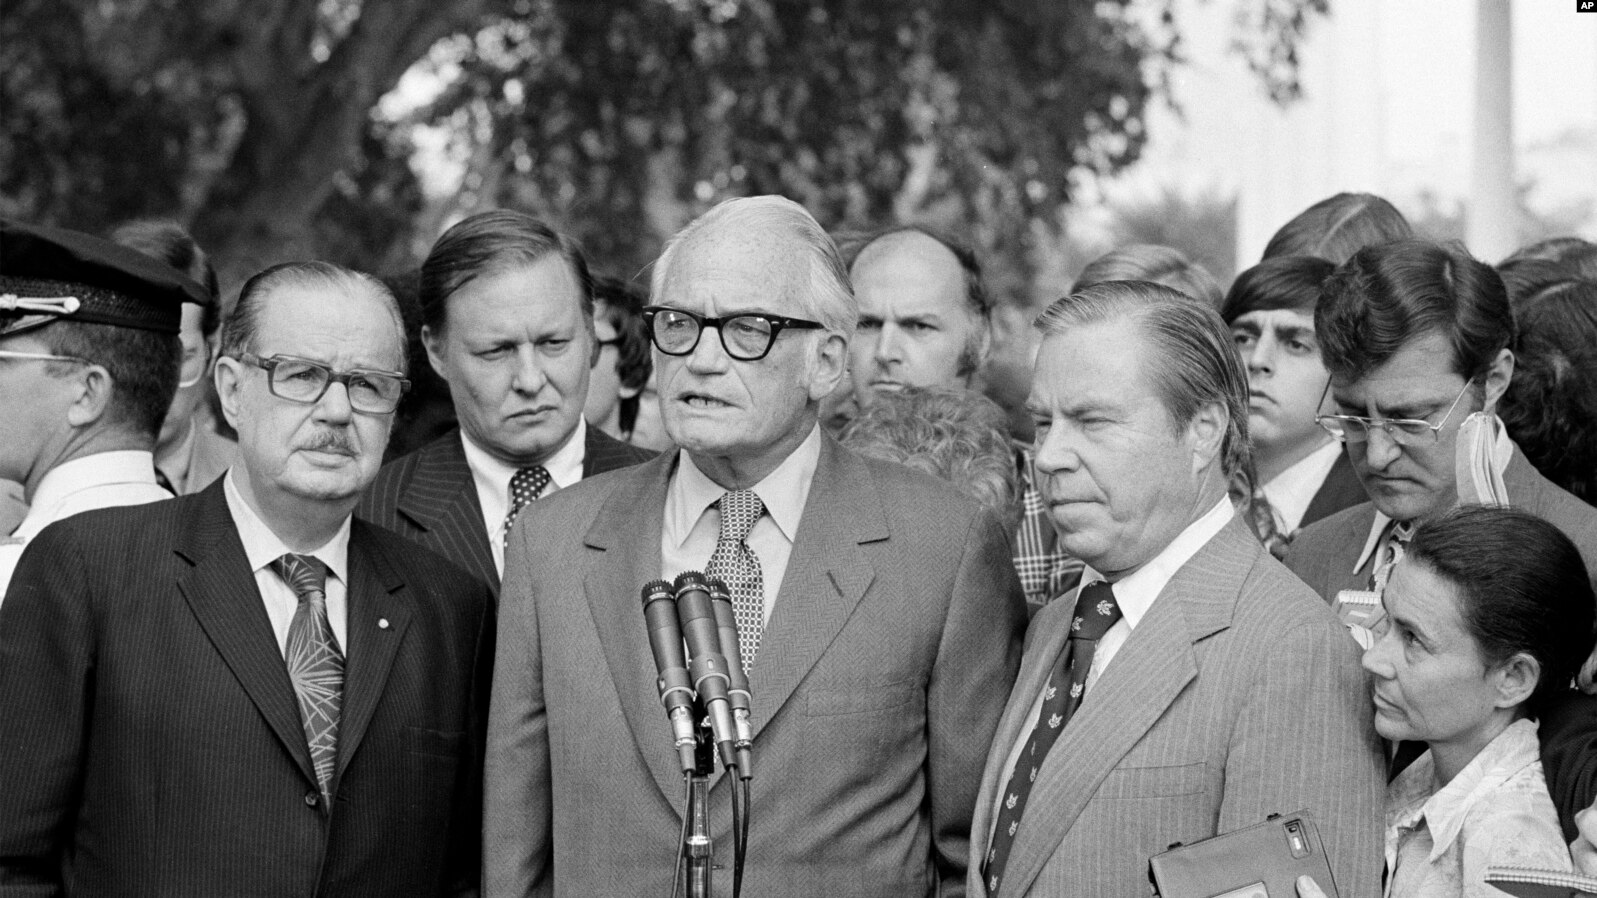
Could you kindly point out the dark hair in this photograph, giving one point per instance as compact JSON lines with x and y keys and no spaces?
{"x":143,"y":366}
{"x":488,"y":242}
{"x":238,"y":331}
{"x":1391,"y":293}
{"x":1572,"y":256}
{"x":852,"y":246}
{"x":167,"y":241}
{"x":1155,"y":263}
{"x":1197,"y":362}
{"x":1285,"y":282}
{"x":1550,"y":407}
{"x":1522,"y":587}
{"x":1338,"y":226}
{"x":623,"y":309}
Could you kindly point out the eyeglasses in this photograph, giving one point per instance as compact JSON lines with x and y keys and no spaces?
{"x":302,"y":380}
{"x":747,"y":338}
{"x":41,"y":357}
{"x":1403,"y":431}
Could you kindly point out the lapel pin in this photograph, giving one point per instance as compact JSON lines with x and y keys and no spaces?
{"x":382,"y":623}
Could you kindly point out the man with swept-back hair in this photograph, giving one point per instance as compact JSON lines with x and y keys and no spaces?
{"x":1191,"y":685}
{"x":1338,"y":226}
{"x":1416,"y":336}
{"x":879,"y":618}
{"x":244,"y":691}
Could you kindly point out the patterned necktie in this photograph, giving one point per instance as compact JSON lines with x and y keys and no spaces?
{"x":1392,"y":551}
{"x":1096,"y":612}
{"x":739,"y":568}
{"x":315,"y":665}
{"x":526,"y":485}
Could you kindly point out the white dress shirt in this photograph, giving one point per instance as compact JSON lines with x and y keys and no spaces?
{"x":1291,"y":491}
{"x":262,"y":547}
{"x":492,"y":478}
{"x":101,"y":480}
{"x":1135,"y":594}
{"x":693,"y":522}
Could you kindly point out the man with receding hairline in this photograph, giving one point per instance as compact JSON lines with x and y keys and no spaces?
{"x":878,"y":615}
{"x":244,"y":691}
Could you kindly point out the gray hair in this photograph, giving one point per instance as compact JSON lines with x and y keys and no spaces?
{"x":958,"y":435}
{"x":1152,"y":262}
{"x":830,"y":297}
{"x":1193,"y":363}
{"x":238,"y":331}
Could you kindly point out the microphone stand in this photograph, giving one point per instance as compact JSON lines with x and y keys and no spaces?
{"x":697,"y":846}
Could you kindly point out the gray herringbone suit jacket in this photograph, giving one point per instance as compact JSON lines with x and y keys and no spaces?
{"x":881,"y":674}
{"x":1237,"y":696}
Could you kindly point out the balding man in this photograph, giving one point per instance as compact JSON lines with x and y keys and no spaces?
{"x":879,"y":616}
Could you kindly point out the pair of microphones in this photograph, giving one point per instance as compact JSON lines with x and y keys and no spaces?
{"x":698,"y":611}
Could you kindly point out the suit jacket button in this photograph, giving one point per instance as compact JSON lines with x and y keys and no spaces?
{"x":311,"y":798}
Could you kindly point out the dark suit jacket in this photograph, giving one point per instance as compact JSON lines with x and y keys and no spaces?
{"x":889,"y":652}
{"x":152,"y":742}
{"x":1324,"y":554}
{"x":1237,"y":696}
{"x":429,"y":497}
{"x":1340,"y":489}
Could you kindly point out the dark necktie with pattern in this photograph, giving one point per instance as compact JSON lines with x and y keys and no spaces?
{"x":315,"y":665}
{"x":526,"y":485}
{"x":1096,"y":612}
{"x":1391,"y":552}
{"x":736,"y":565}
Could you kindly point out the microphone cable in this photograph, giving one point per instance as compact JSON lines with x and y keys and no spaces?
{"x":682,"y":839}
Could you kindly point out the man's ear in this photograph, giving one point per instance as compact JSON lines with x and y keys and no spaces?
{"x":228,"y":376}
{"x":433,"y":342}
{"x":1206,"y":433}
{"x":1498,"y":377}
{"x":827,"y":365}
{"x":94,"y":388}
{"x":1516,"y":679}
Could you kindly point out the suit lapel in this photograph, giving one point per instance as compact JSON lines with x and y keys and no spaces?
{"x":442,"y":498}
{"x":220,"y":590}
{"x":827,"y":574}
{"x":379,"y":611}
{"x":1127,"y":700}
{"x":623,"y":554}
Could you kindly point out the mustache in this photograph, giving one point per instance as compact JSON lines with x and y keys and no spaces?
{"x":329,"y":441}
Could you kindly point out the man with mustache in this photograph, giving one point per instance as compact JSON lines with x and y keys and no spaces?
{"x":245,"y":691}
{"x":879,"y":618}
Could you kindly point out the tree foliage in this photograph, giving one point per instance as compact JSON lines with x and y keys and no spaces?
{"x":259,"y":124}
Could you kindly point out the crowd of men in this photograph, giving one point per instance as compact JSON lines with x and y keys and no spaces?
{"x":247,"y":650}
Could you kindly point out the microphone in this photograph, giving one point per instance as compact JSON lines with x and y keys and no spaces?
{"x":676,"y":690}
{"x":738,"y":694}
{"x":706,"y":664}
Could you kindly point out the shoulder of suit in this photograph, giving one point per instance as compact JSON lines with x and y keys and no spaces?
{"x":610,"y":453}
{"x":413,"y":560}
{"x":1338,"y":534}
{"x":902,"y":486}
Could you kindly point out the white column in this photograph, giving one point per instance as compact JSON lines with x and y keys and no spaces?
{"x":1492,"y":213}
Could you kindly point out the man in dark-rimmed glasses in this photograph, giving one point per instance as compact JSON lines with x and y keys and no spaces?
{"x":245,"y":690}
{"x":878,"y":613}
{"x":1416,"y":338}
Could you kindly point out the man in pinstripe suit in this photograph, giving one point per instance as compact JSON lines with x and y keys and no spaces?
{"x":1195,"y":686}
{"x":507,"y":319}
{"x":243,"y":692}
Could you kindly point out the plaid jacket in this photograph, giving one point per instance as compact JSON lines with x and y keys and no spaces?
{"x":1045,"y":570}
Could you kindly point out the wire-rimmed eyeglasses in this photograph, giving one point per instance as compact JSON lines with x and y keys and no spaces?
{"x":1403,"y":431}
{"x":305,"y":381}
{"x":747,"y":337}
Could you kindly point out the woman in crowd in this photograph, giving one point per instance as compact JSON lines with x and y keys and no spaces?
{"x":1488,"y":617}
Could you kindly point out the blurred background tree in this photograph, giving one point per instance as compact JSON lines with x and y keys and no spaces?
{"x":278,"y":129}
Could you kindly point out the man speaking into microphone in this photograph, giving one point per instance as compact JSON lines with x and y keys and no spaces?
{"x":878,"y":616}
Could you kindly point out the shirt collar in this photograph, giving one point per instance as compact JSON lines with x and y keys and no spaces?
{"x":1443,"y":810}
{"x":262,"y":546}
{"x":86,"y":472}
{"x":783,"y":491}
{"x":1291,"y":491}
{"x":1136,"y":592}
{"x":492,"y":475}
